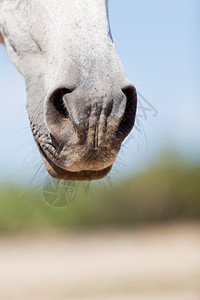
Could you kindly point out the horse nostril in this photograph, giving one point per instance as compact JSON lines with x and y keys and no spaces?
{"x":59,"y":103}
{"x":128,"y":118}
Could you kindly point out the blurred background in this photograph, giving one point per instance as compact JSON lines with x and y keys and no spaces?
{"x":135,"y":234}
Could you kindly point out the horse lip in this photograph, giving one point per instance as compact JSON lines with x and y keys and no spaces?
{"x":59,"y":173}
{"x":86,"y":164}
{"x":84,"y":158}
{"x":84,"y":175}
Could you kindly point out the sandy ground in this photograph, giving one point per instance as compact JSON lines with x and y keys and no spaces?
{"x":154,"y":263}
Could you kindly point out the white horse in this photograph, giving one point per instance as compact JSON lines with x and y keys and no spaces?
{"x":80,"y":104}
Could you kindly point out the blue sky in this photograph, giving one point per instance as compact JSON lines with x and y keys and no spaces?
{"x":159,"y":45}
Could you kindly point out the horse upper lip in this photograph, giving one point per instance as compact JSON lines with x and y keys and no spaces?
{"x":60,"y":173}
{"x":83,"y":175}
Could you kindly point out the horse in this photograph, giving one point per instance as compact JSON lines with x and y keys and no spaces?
{"x":80,"y":104}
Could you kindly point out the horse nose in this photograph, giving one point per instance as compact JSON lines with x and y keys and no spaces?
{"x":76,"y":115}
{"x":128,"y":117}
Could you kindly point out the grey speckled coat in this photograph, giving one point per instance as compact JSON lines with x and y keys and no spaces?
{"x":80,"y":104}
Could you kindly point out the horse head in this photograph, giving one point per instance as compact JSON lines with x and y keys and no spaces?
{"x":80,"y":103}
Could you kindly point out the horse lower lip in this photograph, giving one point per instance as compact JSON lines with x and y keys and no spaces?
{"x":80,"y":175}
{"x":62,"y":174}
{"x":84,"y":175}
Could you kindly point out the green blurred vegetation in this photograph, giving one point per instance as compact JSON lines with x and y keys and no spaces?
{"x":166,"y":192}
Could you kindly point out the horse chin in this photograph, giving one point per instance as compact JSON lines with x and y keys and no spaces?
{"x":84,"y":175}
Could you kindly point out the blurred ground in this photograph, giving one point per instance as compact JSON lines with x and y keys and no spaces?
{"x":146,"y":263}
